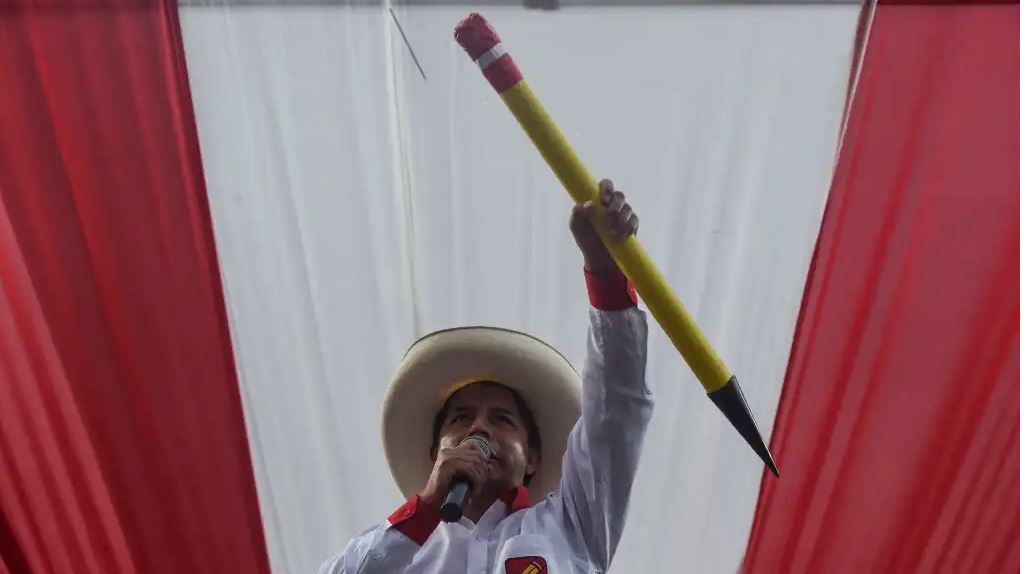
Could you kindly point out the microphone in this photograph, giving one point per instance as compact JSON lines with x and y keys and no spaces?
{"x":461,"y":486}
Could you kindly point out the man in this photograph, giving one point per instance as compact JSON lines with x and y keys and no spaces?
{"x":551,"y":494}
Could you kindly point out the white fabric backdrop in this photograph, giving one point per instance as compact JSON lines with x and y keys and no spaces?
{"x":357,"y":206}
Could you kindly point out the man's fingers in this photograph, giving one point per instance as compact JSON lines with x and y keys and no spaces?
{"x":621,"y":219}
{"x":616,"y":203}
{"x":607,"y":190}
{"x":482,"y":474}
{"x":586,"y":210}
{"x":618,"y":213}
{"x":471,"y":466}
{"x":470,"y":451}
{"x":475,"y":471}
{"x":461,"y":451}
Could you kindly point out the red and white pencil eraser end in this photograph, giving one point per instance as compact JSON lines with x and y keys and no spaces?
{"x":475,"y":35}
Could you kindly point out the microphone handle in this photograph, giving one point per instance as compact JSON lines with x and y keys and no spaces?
{"x":457,"y":494}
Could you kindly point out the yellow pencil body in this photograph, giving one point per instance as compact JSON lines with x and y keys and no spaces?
{"x":652,"y":287}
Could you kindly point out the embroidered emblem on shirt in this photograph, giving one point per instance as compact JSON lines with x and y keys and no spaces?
{"x":525,"y":565}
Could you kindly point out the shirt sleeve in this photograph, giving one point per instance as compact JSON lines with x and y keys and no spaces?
{"x":388,"y":547}
{"x":604,"y":447}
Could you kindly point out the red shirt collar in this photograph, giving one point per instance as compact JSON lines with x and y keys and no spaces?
{"x":516,"y":499}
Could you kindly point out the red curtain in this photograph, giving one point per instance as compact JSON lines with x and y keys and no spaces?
{"x":897,"y":431}
{"x":122,"y":440}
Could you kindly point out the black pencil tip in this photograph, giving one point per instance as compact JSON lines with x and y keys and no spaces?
{"x":731,"y":402}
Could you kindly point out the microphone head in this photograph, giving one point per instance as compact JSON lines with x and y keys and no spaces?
{"x":482,"y":442}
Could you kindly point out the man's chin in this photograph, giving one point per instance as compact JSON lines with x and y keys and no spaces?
{"x":498,"y":485}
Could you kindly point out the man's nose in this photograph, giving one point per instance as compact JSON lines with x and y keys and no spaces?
{"x":481,"y":426}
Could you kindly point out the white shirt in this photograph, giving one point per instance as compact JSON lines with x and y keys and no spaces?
{"x":573,"y":530}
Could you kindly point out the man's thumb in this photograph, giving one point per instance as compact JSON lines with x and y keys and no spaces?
{"x":582,"y":212}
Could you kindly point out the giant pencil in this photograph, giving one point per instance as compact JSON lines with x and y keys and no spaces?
{"x":483,"y":45}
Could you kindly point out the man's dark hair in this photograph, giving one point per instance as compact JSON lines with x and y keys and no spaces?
{"x":524,"y":413}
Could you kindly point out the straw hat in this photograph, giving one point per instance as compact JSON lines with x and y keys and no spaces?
{"x":441,"y":363}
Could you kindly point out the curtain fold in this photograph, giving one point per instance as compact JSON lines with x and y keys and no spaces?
{"x":898,"y":427}
{"x":122,"y":446}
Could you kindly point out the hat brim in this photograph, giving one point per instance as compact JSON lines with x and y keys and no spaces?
{"x":443,"y":362}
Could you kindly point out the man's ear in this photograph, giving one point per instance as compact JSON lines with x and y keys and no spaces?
{"x":532,"y":461}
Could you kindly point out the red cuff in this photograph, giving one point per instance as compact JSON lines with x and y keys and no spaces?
{"x":610,"y":291}
{"x":416,"y":519}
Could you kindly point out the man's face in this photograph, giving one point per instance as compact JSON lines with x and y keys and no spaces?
{"x":490,"y":409}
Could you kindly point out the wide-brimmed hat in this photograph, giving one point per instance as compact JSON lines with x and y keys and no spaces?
{"x":441,"y":363}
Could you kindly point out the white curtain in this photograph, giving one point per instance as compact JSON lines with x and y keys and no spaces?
{"x":357,"y":205}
